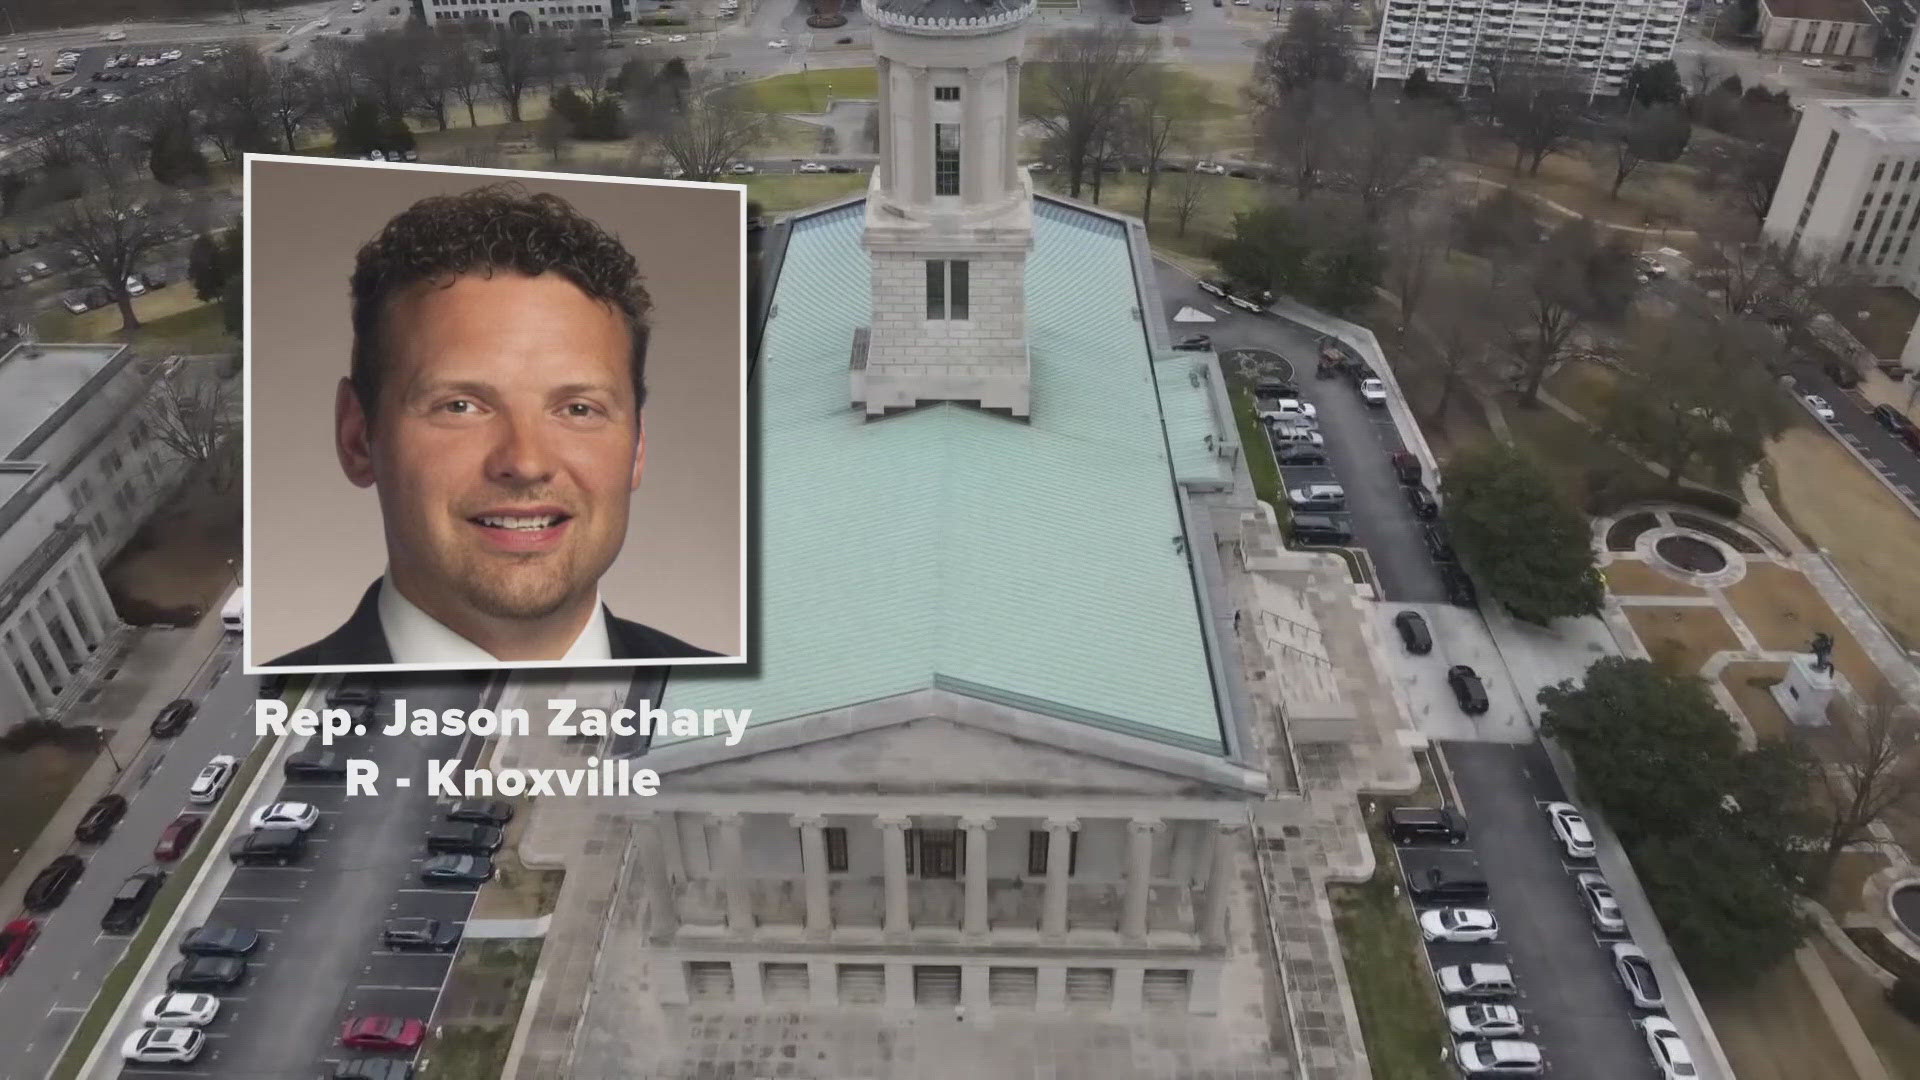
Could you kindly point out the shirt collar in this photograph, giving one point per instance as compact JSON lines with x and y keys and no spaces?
{"x":415,"y":637}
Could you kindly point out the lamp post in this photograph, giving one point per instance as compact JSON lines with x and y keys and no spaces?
{"x":106,"y":744}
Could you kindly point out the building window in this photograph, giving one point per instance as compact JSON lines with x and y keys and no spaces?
{"x":946,"y":159}
{"x":1846,"y":253}
{"x":935,"y":853}
{"x":1879,"y":171}
{"x":1037,"y":853}
{"x":946,"y":93}
{"x":836,"y":838}
{"x":946,"y":289}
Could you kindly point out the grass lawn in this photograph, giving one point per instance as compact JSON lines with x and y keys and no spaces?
{"x":1681,"y":639}
{"x":781,"y":193}
{"x":1585,"y":386}
{"x":1750,"y":682}
{"x":808,"y":91}
{"x":181,"y":556}
{"x":1393,"y":991}
{"x":172,"y":321}
{"x":33,"y":784}
{"x":1836,"y":504}
{"x":1896,"y":1038}
{"x":1881,"y":317}
{"x":473,"y":1027}
{"x":1631,"y":577}
{"x":1784,"y":610}
{"x":1656,"y":195}
{"x":1775,"y":1030}
{"x":1260,"y":463}
{"x":517,"y":892}
{"x":1220,"y":198}
{"x":1569,"y":453}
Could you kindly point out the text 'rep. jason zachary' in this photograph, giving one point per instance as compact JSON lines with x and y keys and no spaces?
{"x":568,"y":720}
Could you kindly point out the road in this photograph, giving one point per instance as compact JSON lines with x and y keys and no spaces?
{"x":322,"y":959}
{"x":43,"y":1000}
{"x":1853,"y":423}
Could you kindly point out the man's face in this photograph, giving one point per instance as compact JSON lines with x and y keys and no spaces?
{"x":505,"y":447}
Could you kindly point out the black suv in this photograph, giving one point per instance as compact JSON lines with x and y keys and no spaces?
{"x":1468,"y":690}
{"x":98,"y":822}
{"x":173,"y":718}
{"x":1438,"y":544}
{"x":1413,"y":632}
{"x":373,"y":1069}
{"x":463,"y":838}
{"x":1334,"y":530}
{"x":1196,"y":343}
{"x":419,"y":935}
{"x":1413,"y":824}
{"x":1437,"y":886}
{"x":130,"y":904}
{"x":1301,"y":455}
{"x":275,"y":847}
{"x":315,"y":765}
{"x":480,"y":812}
{"x":51,"y":886}
{"x":206,"y":974}
{"x":219,"y":941}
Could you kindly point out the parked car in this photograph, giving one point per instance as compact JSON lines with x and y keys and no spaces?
{"x":73,"y":303}
{"x":213,"y":779}
{"x":1438,"y":886}
{"x":1460,"y":588}
{"x":1317,"y":497}
{"x":1289,"y":410}
{"x":177,"y":837}
{"x":1468,"y":690}
{"x":1499,"y":1057}
{"x":1570,"y":829}
{"x":1669,"y":1050}
{"x":1843,"y":375}
{"x":1602,"y":908}
{"x":219,"y":941}
{"x":1459,"y":925}
{"x":813,"y":167}
{"x":1636,"y":974}
{"x":180,"y":1010}
{"x":1421,"y":502}
{"x":306,"y":765}
{"x":1486,"y":1021}
{"x":461,"y":838}
{"x":173,"y":718}
{"x":1196,"y":343}
{"x":52,"y":884}
{"x":387,"y":1034}
{"x":206,"y":974}
{"x":1301,"y":455}
{"x":15,"y":939}
{"x":1413,"y":632}
{"x":98,"y":822}
{"x":842,"y":167}
{"x":1476,"y":980}
{"x":1373,"y":392}
{"x":457,"y":870}
{"x":1820,"y":407}
{"x":1331,"y":530}
{"x":130,"y":904}
{"x":373,"y":1069}
{"x":275,"y":847}
{"x":285,"y":815}
{"x":481,"y":812}
{"x":419,"y":935}
{"x":1294,"y":435}
{"x":1439,"y":544}
{"x":739,"y":168}
{"x":163,"y":1046}
{"x":1413,"y":824}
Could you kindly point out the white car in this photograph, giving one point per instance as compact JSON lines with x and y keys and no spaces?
{"x":1820,"y":407}
{"x":1636,"y":974}
{"x":1373,"y":391}
{"x":136,"y":287}
{"x":1288,"y":410}
{"x":676,"y":39}
{"x":643,"y":41}
{"x":15,"y":99}
{"x":1475,"y":980}
{"x":1459,"y":924}
{"x":1669,"y":1050}
{"x":1486,"y":1021}
{"x":357,"y":7}
{"x":213,"y":780}
{"x":163,"y":1045}
{"x":813,"y":167}
{"x":285,"y":815}
{"x":740,"y":168}
{"x":1602,"y":908}
{"x":181,"y":1010}
{"x":1499,"y":1057}
{"x":777,"y":43}
{"x":321,"y":25}
{"x":116,"y":35}
{"x":1210,"y":168}
{"x":1571,"y":829}
{"x":74,"y":304}
{"x":1813,"y":63}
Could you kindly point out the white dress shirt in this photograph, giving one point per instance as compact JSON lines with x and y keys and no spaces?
{"x":415,"y":637}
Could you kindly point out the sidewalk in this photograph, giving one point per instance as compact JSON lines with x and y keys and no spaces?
{"x":161,"y":665}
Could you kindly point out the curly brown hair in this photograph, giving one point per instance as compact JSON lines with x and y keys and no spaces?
{"x":496,"y":227}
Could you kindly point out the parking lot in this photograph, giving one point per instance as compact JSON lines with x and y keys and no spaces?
{"x":1569,"y":998}
{"x":321,"y":959}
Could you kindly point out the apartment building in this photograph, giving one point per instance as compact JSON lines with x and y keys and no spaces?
{"x":1851,"y":188}
{"x":1456,"y":41}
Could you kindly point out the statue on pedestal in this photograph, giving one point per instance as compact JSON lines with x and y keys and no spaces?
{"x":1822,"y":649}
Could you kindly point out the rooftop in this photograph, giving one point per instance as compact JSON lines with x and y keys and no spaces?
{"x":1034,"y":563}
{"x":1893,"y":120}
{"x":949,"y":9}
{"x":1844,"y":11}
{"x":35,"y":389}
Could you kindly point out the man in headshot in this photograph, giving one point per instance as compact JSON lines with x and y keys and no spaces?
{"x":493,"y":403}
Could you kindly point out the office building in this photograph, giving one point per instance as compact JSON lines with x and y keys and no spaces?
{"x":1595,"y":42}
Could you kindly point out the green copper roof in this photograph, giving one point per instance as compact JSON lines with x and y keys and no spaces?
{"x":1191,"y":433}
{"x":1032,"y":563}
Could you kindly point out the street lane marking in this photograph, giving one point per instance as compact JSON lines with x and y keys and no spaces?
{"x":419,"y":989}
{"x":264,"y":899}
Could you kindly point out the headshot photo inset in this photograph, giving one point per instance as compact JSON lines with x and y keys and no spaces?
{"x":494,"y":419}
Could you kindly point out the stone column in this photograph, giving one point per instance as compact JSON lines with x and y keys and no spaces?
{"x":64,"y":612}
{"x":1133,"y":918}
{"x":1213,"y":923}
{"x":55,"y":655}
{"x":96,"y":587}
{"x":893,"y":844}
{"x":919,"y":177}
{"x":977,"y":831}
{"x":1012,"y":149}
{"x":42,"y":692}
{"x":11,"y":684}
{"x":1059,"y":860}
{"x":813,"y":860}
{"x":733,"y":874}
{"x":663,"y":907}
{"x":77,"y":599}
{"x":973,"y":144}
{"x":885,"y":149}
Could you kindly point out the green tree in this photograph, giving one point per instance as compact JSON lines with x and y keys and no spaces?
{"x":1346,"y":271}
{"x":206,"y":267}
{"x":1729,"y":918}
{"x":1418,"y":84}
{"x":1516,"y":531}
{"x":362,"y":129}
{"x":1699,"y":391}
{"x":1656,"y":84}
{"x":1656,"y":133}
{"x":1267,"y":250}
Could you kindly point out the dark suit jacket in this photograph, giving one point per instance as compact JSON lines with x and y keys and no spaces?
{"x":362,"y":640}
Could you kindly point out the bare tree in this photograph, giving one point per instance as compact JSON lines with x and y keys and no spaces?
{"x":112,"y":230}
{"x":1698,"y":390}
{"x":1390,"y":153}
{"x":552,"y":133}
{"x":1459,"y":353}
{"x":291,"y":102}
{"x":1085,"y":77}
{"x":335,"y":75}
{"x":1703,"y":72}
{"x":387,"y":65}
{"x":1657,"y":134}
{"x":1422,"y":238}
{"x":193,"y":415}
{"x":1184,"y":194}
{"x":1873,"y":770}
{"x":1306,"y":133}
{"x":593,"y":74}
{"x":457,"y":68}
{"x":1569,"y":280}
{"x":716,"y":127}
{"x":1311,"y":50}
{"x":509,"y":69}
{"x":1539,"y":112}
{"x":550,"y":65}
{"x":235,"y":95}
{"x":1148,"y":129}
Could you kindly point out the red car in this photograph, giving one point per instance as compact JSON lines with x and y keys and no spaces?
{"x":15,"y":939}
{"x":383,"y":1033}
{"x":177,"y":837}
